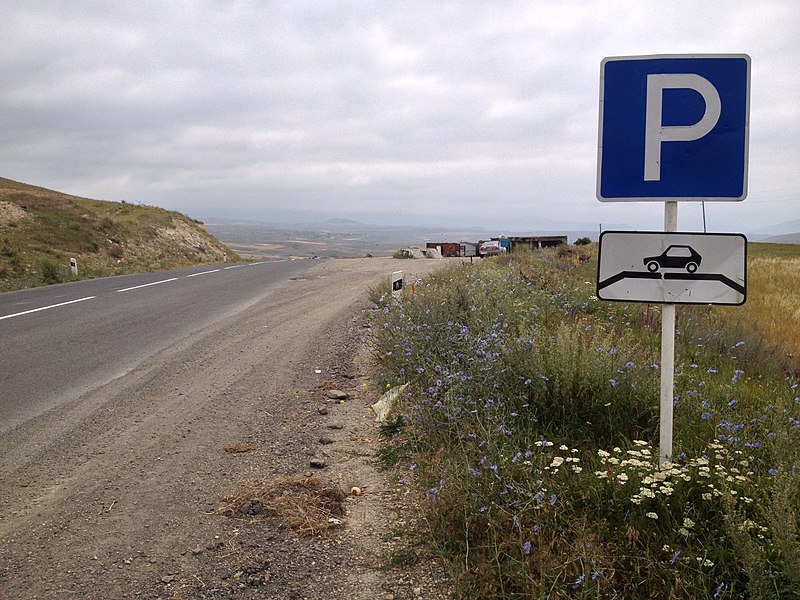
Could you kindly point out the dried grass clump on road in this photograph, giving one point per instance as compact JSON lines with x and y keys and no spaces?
{"x":305,"y":504}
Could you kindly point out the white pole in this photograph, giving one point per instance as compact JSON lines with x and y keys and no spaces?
{"x":667,"y":356}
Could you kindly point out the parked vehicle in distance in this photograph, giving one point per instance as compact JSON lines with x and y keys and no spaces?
{"x":491,"y":248}
{"x":676,"y":256}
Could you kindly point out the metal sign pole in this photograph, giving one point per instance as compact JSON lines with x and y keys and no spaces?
{"x":667,"y":356}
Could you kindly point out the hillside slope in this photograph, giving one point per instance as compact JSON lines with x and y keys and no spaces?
{"x":786,"y":238}
{"x":41,"y":229}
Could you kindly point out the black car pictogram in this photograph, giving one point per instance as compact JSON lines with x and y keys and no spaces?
{"x":674,"y":257}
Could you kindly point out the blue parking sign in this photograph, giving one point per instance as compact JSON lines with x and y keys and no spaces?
{"x":674,"y":128}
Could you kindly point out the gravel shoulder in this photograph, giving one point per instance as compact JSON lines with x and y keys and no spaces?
{"x":120,"y":493}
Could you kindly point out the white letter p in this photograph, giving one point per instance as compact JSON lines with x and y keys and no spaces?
{"x":656,"y":133}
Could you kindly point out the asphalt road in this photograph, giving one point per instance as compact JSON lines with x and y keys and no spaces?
{"x":61,"y":341}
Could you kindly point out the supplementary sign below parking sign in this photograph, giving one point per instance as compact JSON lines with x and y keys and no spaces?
{"x":674,"y":128}
{"x":672,"y":268}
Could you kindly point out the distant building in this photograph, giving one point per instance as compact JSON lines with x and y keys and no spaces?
{"x":446,"y":248}
{"x":508,"y":243}
{"x":469,"y":249}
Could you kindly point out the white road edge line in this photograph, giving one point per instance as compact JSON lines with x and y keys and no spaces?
{"x":33,"y":310}
{"x":136,"y":287}
{"x":203,"y":273}
{"x":234,"y":267}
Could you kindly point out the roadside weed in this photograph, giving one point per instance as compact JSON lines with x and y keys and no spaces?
{"x":532,"y":423}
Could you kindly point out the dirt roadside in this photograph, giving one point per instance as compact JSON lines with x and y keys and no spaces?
{"x":118,"y":494}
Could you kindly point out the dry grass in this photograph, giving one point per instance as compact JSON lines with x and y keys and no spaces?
{"x":304,"y":503}
{"x":238,"y":448}
{"x":773,"y":300}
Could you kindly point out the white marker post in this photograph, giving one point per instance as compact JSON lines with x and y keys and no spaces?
{"x":73,"y":266}
{"x":397,"y":286}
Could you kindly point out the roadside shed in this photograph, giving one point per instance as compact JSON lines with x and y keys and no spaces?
{"x":446,"y":248}
{"x":469,"y":249}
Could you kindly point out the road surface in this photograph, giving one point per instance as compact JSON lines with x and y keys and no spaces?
{"x":62,"y":341}
{"x":117,"y":410}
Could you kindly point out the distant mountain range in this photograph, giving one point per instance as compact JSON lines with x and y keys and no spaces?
{"x":791,"y":228}
{"x":383,"y":237}
{"x":787,"y":238}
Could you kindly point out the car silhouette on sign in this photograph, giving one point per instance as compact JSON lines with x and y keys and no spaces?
{"x":674,"y":257}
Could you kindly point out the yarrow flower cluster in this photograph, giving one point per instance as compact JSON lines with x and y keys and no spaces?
{"x":716,"y":474}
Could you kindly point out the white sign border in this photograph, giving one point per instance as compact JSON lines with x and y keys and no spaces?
{"x":745,"y":180}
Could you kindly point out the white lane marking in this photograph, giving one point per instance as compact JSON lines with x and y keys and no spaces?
{"x":136,"y":287}
{"x":203,"y":273}
{"x":263,"y":262}
{"x":33,"y":310}
{"x":234,"y":267}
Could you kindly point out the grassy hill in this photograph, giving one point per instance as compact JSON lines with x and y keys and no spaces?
{"x":41,"y":229}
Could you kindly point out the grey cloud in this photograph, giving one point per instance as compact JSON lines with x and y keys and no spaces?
{"x":370,"y":107}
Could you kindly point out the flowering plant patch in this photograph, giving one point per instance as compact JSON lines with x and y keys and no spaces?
{"x":531,"y":413}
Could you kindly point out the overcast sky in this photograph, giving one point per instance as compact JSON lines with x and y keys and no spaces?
{"x":449,"y":113}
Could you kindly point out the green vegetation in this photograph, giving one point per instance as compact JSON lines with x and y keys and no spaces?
{"x":40,"y":230}
{"x":531,"y":434}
